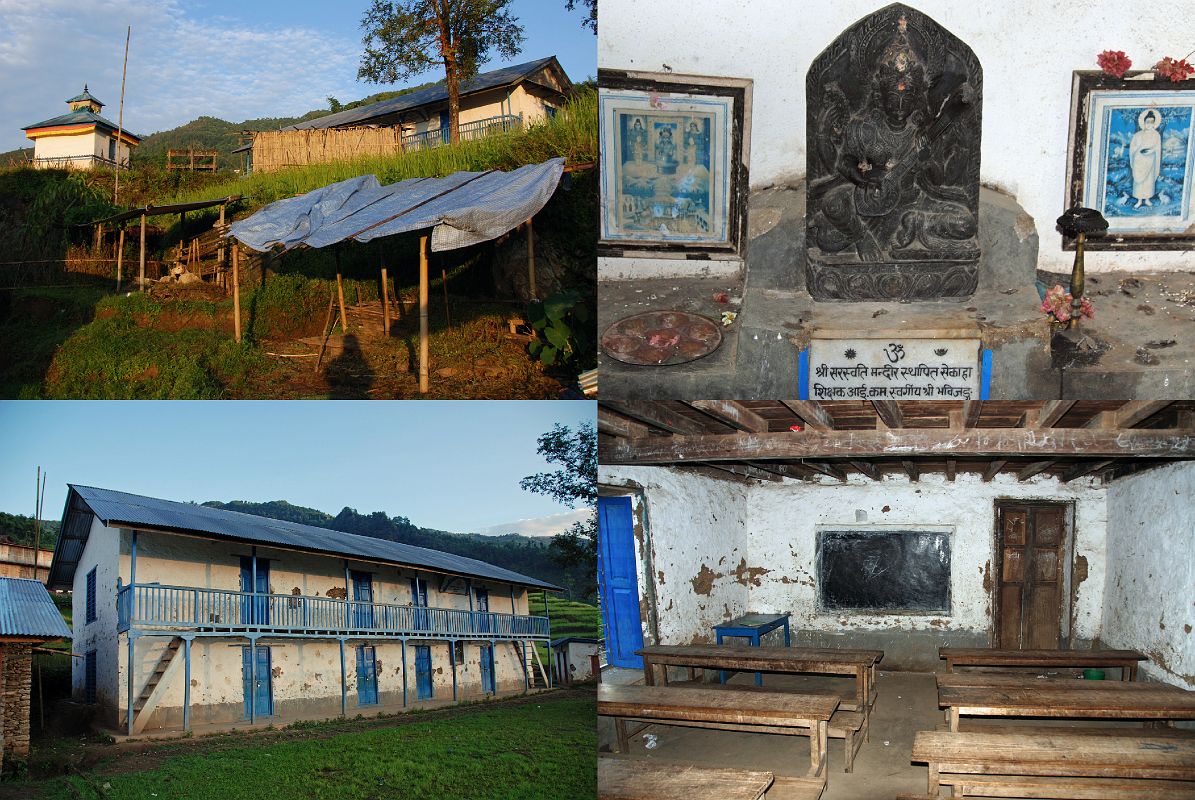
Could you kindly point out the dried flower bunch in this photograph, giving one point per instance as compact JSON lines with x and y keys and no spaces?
{"x":1058,"y":304}
{"x":1116,"y":64}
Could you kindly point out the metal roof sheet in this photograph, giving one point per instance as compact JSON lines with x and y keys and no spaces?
{"x":27,"y":610}
{"x":81,"y":117}
{"x":85,"y":96}
{"x":423,"y":97}
{"x":131,"y":510}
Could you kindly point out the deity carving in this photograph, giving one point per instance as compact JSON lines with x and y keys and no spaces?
{"x":893,"y":144}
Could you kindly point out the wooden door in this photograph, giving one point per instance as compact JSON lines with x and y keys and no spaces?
{"x":367,"y":676}
{"x":487,"y":669}
{"x":423,"y":671}
{"x":1031,"y":541}
{"x":618,"y":582}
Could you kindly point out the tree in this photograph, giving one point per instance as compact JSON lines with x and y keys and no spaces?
{"x":335,"y":104}
{"x":407,"y":37}
{"x":574,"y":484}
{"x":590,"y":21}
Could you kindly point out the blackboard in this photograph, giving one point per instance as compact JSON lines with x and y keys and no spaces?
{"x":889,"y":571}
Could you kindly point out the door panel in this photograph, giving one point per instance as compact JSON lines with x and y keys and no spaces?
{"x":258,"y":686}
{"x":367,"y":676}
{"x":1031,"y":541}
{"x":423,"y":671}
{"x":363,"y":597}
{"x":483,"y":606}
{"x":487,"y":668}
{"x":419,"y":600}
{"x":619,"y":586}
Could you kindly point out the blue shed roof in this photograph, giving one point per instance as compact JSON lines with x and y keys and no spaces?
{"x":135,"y":511}
{"x":27,"y":611}
{"x":429,"y":96}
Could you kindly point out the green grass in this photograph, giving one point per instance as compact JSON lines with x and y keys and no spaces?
{"x":572,"y":134}
{"x":541,"y":749}
{"x":568,"y":618}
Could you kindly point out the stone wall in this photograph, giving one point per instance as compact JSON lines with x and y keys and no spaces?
{"x":17,"y":683}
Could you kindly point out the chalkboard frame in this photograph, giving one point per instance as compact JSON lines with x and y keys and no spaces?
{"x":943,"y":535}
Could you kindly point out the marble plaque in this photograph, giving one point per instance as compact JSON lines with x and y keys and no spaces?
{"x":897,"y":368}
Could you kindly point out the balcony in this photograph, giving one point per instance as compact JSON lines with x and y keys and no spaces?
{"x":215,"y":611}
{"x":478,"y":129}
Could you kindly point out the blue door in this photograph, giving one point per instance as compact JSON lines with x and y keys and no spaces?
{"x":482,"y":606}
{"x":259,"y":687}
{"x":617,"y":582}
{"x":487,"y":668}
{"x":255,"y":610}
{"x":367,"y":677}
{"x":419,"y":600}
{"x":363,"y":595}
{"x":444,"y":126}
{"x":423,"y":671}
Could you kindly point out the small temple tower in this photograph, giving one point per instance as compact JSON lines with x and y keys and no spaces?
{"x":81,"y":138}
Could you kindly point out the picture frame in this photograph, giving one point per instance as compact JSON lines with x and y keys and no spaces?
{"x":1132,"y":158}
{"x":674,"y":156}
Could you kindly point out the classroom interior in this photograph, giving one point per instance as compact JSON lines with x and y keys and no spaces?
{"x":862,"y":599}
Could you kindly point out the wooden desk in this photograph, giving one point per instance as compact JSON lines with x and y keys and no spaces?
{"x":1126,"y":660}
{"x":640,"y":779}
{"x":857,"y":663}
{"x":1064,"y":699}
{"x":725,"y":709}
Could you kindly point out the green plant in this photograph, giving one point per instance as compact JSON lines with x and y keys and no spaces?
{"x":561,"y":325}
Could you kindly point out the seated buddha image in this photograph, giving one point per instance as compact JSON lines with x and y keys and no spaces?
{"x":888,"y":197}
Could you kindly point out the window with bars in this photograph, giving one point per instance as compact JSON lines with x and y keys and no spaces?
{"x":91,"y":596}
{"x":89,"y":677}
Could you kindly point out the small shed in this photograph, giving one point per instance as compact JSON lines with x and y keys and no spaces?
{"x":576,"y":659}
{"x":28,"y":617}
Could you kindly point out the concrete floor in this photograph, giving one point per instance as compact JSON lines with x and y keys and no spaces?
{"x":907,"y":702}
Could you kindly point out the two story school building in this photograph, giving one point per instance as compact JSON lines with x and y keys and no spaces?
{"x":190,"y":615}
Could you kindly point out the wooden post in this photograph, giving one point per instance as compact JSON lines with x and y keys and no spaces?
{"x":344,"y":320}
{"x":444,"y":283}
{"x":119,"y":258}
{"x":220,"y":250}
{"x":143,"y":252}
{"x":236,"y":289}
{"x":423,"y":344}
{"x":531,"y":259}
{"x":385,"y":304}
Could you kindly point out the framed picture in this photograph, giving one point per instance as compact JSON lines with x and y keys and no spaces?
{"x":673,"y":164}
{"x":1132,"y":158}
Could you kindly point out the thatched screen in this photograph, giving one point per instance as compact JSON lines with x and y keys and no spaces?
{"x":273,"y":150}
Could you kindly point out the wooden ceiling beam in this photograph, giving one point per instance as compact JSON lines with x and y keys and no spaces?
{"x":993,"y":443}
{"x":825,"y":469}
{"x":913,"y":471}
{"x":785,"y":470}
{"x":1135,"y":412}
{"x":657,"y":415}
{"x":867,"y":468}
{"x":1053,"y":411}
{"x":716,"y":474}
{"x":889,"y":412}
{"x":1035,"y":468}
{"x":745,"y":471}
{"x":618,"y":425}
{"x":812,"y":413}
{"x":951,"y":468}
{"x":1085,"y":468}
{"x":992,"y":469}
{"x":971,"y":411}
{"x":732,"y":414}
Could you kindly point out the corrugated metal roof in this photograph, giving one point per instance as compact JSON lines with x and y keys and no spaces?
{"x":85,"y":96}
{"x":27,"y":610}
{"x":81,"y":117}
{"x":131,"y":510}
{"x":423,"y":97}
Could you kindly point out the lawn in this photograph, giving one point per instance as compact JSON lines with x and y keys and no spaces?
{"x":539,"y":747}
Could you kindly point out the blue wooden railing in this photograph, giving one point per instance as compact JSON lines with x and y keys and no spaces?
{"x":158,"y":606}
{"x":477,"y":129}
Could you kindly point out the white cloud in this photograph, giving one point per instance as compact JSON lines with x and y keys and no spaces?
{"x":540,"y":526}
{"x":180,"y":66}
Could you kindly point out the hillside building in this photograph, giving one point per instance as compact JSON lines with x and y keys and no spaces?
{"x":81,"y":138}
{"x":188,"y":615}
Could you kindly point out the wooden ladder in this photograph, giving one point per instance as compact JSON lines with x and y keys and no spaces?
{"x":156,"y":677}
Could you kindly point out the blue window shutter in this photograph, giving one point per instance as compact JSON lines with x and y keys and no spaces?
{"x":91,"y":596}
{"x":89,"y":677}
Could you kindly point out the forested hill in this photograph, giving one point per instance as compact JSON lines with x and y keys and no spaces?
{"x":528,"y":555}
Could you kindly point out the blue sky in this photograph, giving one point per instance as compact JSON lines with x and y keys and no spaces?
{"x":232,"y":60}
{"x":451,"y":465}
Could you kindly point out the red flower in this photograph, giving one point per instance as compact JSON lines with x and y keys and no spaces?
{"x":1174,"y":70}
{"x":1114,"y":62}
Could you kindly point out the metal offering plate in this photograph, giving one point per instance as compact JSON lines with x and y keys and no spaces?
{"x":661,"y":338}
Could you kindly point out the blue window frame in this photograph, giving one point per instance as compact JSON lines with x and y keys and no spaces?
{"x":419,"y":600}
{"x":91,"y":596}
{"x":89,"y":677}
{"x":363,"y":597}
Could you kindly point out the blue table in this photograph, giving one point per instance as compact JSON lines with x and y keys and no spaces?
{"x":752,"y":626}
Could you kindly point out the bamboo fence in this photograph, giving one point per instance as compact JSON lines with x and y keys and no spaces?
{"x":275,"y":150}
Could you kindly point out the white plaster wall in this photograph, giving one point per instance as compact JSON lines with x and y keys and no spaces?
{"x":578,"y":661}
{"x":82,"y":144}
{"x":1028,"y":50}
{"x":100,"y":553}
{"x":1149,"y":599}
{"x":784,"y":519}
{"x":695,"y":535}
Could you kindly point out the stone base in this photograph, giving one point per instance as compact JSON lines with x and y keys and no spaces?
{"x":901,"y":280}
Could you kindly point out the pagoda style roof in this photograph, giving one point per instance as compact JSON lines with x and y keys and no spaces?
{"x":81,"y":116}
{"x":86,"y":96}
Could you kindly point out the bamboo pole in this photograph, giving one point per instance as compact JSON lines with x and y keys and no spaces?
{"x":327,"y":332}
{"x":344,"y":320}
{"x":142,"y":285}
{"x":236,"y":289}
{"x":124,"y":71}
{"x":119,"y":258}
{"x":444,"y":283}
{"x":423,"y":342}
{"x":385,"y":304}
{"x":220,"y":250}
{"x":531,"y":259}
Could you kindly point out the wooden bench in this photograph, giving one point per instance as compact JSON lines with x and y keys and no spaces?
{"x":643,"y":779}
{"x":1057,"y":766}
{"x":853,"y":727}
{"x":1125,"y":660}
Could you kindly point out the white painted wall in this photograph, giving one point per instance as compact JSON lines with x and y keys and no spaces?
{"x":1149,"y":599}
{"x":102,"y":553}
{"x":1028,"y":50}
{"x":695,"y":536}
{"x":91,"y":143}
